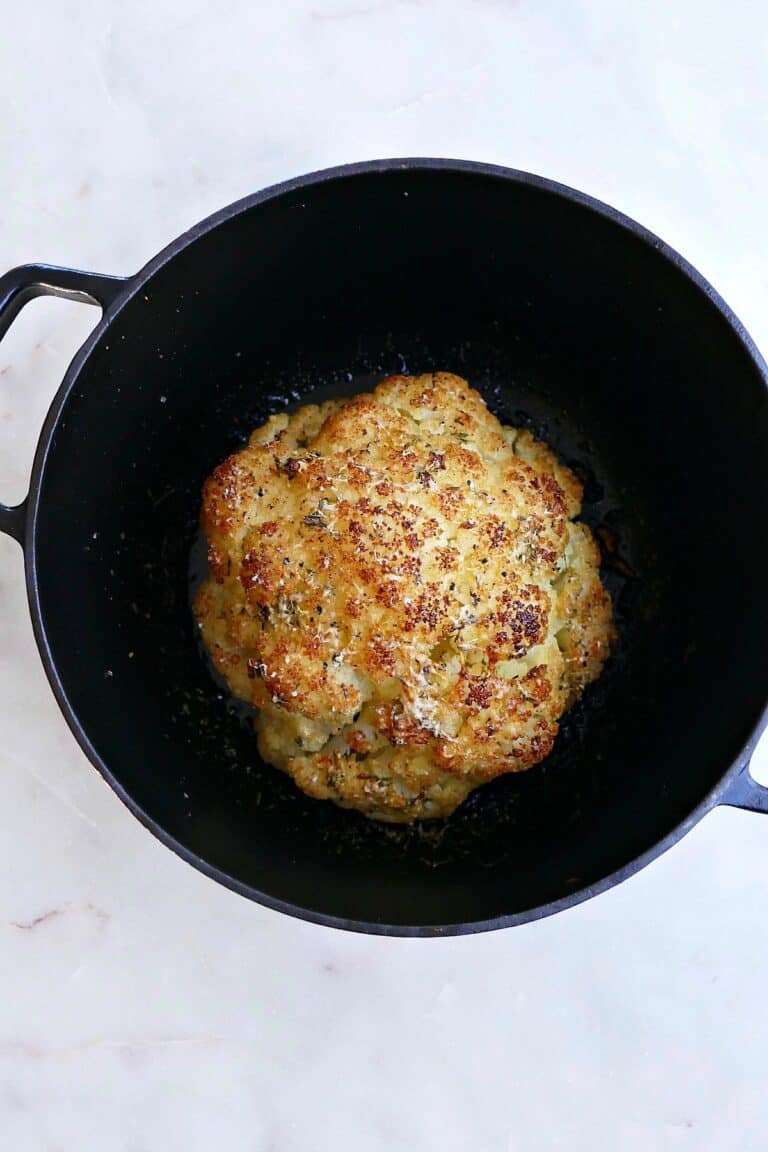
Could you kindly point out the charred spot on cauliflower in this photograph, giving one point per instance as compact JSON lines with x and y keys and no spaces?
{"x":396,"y":582}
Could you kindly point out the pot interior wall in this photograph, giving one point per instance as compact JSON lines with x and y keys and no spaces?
{"x":565,"y":321}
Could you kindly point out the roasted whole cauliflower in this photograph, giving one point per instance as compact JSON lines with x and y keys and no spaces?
{"x":397,"y":584}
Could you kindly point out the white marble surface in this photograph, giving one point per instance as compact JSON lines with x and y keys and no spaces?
{"x":142,"y":1007}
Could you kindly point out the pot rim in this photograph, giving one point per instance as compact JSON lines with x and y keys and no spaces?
{"x":133,"y":285}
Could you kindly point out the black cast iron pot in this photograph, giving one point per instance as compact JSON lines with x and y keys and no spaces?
{"x":570,"y":318}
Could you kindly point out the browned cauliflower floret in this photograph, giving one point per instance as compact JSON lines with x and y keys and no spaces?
{"x":397,"y":585}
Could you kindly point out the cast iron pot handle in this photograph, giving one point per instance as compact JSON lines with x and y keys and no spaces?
{"x":17,"y":288}
{"x":745,"y":792}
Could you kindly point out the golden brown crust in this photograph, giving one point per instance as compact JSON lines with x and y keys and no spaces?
{"x":397,"y":584}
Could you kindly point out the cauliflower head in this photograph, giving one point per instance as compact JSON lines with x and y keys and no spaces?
{"x":397,"y":584}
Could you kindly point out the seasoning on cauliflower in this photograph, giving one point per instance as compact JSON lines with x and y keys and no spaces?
{"x":397,"y":584}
